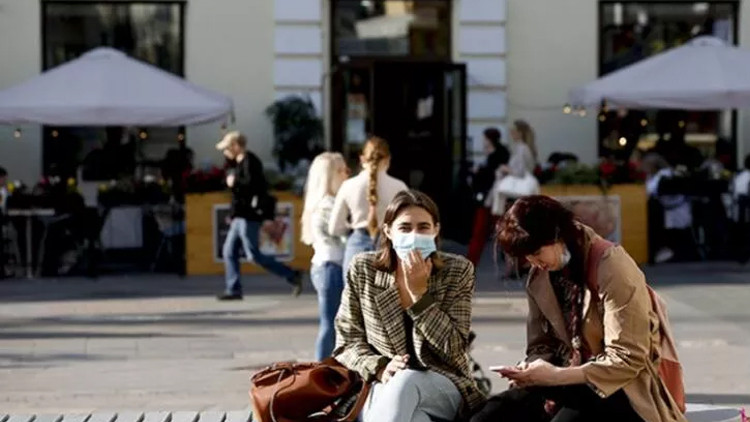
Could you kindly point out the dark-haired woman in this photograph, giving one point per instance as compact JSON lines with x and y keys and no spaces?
{"x":484,"y":179}
{"x":404,"y":320}
{"x":591,"y":355}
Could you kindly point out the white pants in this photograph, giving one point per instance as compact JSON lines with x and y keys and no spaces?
{"x":413,"y":396}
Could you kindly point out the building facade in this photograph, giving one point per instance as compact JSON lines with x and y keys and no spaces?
{"x":521,"y":57}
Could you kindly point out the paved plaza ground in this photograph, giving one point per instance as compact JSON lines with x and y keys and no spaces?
{"x":158,"y":342}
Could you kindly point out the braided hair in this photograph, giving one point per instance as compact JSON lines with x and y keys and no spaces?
{"x":374,"y":153}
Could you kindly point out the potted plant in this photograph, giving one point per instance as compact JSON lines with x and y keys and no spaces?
{"x":297,"y":129}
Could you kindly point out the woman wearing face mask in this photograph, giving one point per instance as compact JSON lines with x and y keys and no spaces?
{"x":592,"y":355}
{"x":326,"y":174}
{"x":360,"y":203}
{"x":404,"y":320}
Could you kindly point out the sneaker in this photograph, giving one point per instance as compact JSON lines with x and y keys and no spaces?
{"x":226,"y":296}
{"x":296,"y":282}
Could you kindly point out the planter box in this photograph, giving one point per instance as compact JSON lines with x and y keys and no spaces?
{"x":632,"y":214}
{"x":206,"y":228}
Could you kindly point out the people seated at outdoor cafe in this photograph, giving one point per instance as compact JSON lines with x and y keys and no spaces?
{"x":115,"y":157}
{"x":3,"y":189}
{"x":741,"y":182}
{"x":677,"y":210}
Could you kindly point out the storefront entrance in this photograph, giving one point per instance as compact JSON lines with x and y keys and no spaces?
{"x":420,"y":109}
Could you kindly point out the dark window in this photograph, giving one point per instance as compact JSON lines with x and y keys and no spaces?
{"x":149,"y":31}
{"x":633,"y":31}
{"x":391,"y":28}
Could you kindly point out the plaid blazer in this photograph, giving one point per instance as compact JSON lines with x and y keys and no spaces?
{"x":370,"y":323}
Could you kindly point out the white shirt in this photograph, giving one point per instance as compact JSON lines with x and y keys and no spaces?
{"x":327,"y":248}
{"x":351,"y":201}
{"x":678,"y":212}
{"x":521,"y":159}
{"x":741,"y":183}
{"x":3,"y":197}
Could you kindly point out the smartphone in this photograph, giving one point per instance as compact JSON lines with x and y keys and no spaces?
{"x":505,"y":370}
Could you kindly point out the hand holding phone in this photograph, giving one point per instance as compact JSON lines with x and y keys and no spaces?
{"x":505,"y":371}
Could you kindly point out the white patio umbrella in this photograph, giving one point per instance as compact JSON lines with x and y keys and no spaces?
{"x":105,"y":87}
{"x":704,"y":74}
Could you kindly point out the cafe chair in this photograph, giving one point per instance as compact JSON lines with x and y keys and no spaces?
{"x":171,"y":222}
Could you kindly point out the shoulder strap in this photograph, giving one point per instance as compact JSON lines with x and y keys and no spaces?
{"x":596,"y":251}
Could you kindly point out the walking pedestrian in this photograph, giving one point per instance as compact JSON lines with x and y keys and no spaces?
{"x":249,"y":195}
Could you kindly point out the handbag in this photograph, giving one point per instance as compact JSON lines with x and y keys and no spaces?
{"x":323,"y":391}
{"x":264,"y":206}
{"x":517,"y":187}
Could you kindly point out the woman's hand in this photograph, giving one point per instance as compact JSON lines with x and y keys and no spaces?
{"x":416,"y":273}
{"x":521,"y":367}
{"x":396,"y":364}
{"x":537,"y":373}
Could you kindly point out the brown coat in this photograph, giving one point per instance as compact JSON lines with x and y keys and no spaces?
{"x":620,"y":327}
{"x":370,"y":325}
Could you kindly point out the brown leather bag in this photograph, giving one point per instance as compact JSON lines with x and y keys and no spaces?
{"x":316,"y":391}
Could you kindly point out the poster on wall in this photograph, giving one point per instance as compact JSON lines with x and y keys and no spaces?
{"x":276,"y":240}
{"x":601,"y":213}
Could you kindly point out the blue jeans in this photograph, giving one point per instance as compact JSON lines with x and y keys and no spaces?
{"x":358,"y":241}
{"x":329,"y":283}
{"x":244,"y":233}
{"x":413,"y":396}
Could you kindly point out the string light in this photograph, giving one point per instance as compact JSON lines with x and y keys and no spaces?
{"x":55,"y":134}
{"x":681,"y":124}
{"x":17,"y":133}
{"x":143,"y":135}
{"x":567,"y":109}
{"x":644,"y":122}
{"x":623,"y":141}
{"x":582,"y":112}
{"x":180,"y":137}
{"x":602,"y":118}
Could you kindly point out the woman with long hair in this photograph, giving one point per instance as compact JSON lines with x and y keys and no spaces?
{"x":405,"y":317}
{"x":360,"y":204}
{"x":593,"y":334}
{"x":327,"y":172}
{"x":523,"y":153}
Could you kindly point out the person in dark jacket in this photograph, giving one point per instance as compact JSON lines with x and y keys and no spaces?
{"x":249,"y":187}
{"x":483,"y":181}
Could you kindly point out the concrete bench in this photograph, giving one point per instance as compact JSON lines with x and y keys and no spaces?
{"x":695,"y":413}
{"x":708,"y":413}
{"x":208,"y":416}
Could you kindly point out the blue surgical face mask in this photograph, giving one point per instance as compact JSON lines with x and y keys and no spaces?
{"x":564,"y":257}
{"x":404,"y":243}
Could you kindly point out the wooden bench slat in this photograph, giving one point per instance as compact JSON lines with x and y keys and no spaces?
{"x":157,"y":417}
{"x":212,"y":416}
{"x":20,"y":418}
{"x":49,"y":417}
{"x":238,"y":416}
{"x":129,"y":417}
{"x":184,"y":417}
